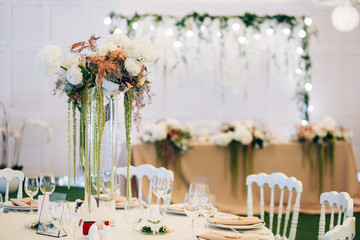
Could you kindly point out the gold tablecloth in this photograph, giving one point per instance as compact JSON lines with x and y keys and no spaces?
{"x":210,"y":163}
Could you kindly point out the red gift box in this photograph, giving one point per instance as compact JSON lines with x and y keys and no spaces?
{"x":87,"y":224}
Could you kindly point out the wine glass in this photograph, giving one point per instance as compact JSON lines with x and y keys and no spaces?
{"x":155,"y":216}
{"x":133,"y":213}
{"x":72,"y":221}
{"x":168,"y":187}
{"x":58,"y":213}
{"x":47,"y":184}
{"x":192,"y":208}
{"x":209,"y":209}
{"x":31,"y":189}
{"x":202,"y":191}
{"x":1,"y":204}
{"x":157,"y":188}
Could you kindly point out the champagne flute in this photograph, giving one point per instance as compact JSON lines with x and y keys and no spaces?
{"x":31,"y":189}
{"x":47,"y":184}
{"x":1,"y":204}
{"x":133,"y":213}
{"x":209,"y":209}
{"x":192,"y":208}
{"x":155,"y":216}
{"x":58,"y":213}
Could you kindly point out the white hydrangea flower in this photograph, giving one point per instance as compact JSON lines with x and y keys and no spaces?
{"x":106,"y":48}
{"x":142,"y":49}
{"x":73,"y":75}
{"x":329,"y":123}
{"x":147,"y":138}
{"x":348,"y":135}
{"x":174,"y":124}
{"x":259,"y":134}
{"x":73,"y":61}
{"x":223,"y":139}
{"x":121,"y":40}
{"x":243,"y":135}
{"x":132,"y":66}
{"x":249,"y":124}
{"x":159,"y":131}
{"x":48,"y":59}
{"x":236,"y":124}
{"x":319,"y":131}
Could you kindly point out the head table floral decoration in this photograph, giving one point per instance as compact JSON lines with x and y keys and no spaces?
{"x":92,"y":77}
{"x":321,"y":138}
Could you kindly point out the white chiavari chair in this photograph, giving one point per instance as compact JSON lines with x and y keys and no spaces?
{"x":8,"y":174}
{"x":145,"y":170}
{"x":283,"y":182}
{"x":346,"y":231}
{"x":342,"y":201}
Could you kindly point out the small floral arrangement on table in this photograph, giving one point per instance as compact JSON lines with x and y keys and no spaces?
{"x":87,"y":76}
{"x":163,"y":229}
{"x":171,"y":141}
{"x":322,"y":138}
{"x":245,"y":136}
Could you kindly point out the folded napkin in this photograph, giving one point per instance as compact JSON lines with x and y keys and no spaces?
{"x":176,"y":208}
{"x":237,"y":221}
{"x":221,"y":236}
{"x":98,"y":231}
{"x":24,"y":202}
{"x":122,"y":200}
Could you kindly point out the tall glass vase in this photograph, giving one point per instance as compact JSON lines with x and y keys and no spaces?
{"x":100,"y":162}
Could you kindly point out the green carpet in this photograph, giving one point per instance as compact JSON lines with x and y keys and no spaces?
{"x":307,"y":228}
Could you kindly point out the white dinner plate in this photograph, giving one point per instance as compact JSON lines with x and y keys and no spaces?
{"x":180,"y":212}
{"x":246,"y":227}
{"x":12,"y":207}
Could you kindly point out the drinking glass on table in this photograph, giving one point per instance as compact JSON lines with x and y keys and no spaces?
{"x":31,"y":189}
{"x":47,"y":184}
{"x":155,"y":216}
{"x":133,"y":213}
{"x":200,"y":192}
{"x":192,"y":208}
{"x":157,"y":187}
{"x":1,"y":204}
{"x":58,"y":214}
{"x":72,"y":220}
{"x":209,"y":209}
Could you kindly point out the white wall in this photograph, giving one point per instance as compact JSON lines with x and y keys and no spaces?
{"x":27,"y":25}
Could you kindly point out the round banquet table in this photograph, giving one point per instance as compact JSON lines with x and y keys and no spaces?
{"x":12,"y":227}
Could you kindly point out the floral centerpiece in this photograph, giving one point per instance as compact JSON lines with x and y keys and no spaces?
{"x":171,"y":141}
{"x":92,"y":77}
{"x":245,"y":136}
{"x":321,"y":137}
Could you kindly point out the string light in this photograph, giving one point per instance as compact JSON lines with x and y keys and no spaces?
{"x":286,"y":31}
{"x":152,"y":28}
{"x":299,"y":50}
{"x":236,"y":26}
{"x":308,"y":21}
{"x":242,"y":40}
{"x":302,"y":33}
{"x":107,"y":21}
{"x":310,"y":108}
{"x":308,"y":87}
{"x":203,"y":28}
{"x":298,"y":71}
{"x":257,"y":36}
{"x":169,"y":32}
{"x":304,"y":122}
{"x":177,"y":44}
{"x":270,"y":31}
{"x":218,"y":34}
{"x":117,"y":30}
{"x":189,"y":33}
{"x":135,"y":26}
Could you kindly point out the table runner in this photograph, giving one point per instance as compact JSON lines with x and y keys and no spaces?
{"x":210,"y":163}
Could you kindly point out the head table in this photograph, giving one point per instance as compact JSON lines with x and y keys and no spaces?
{"x":12,"y":226}
{"x":209,"y":163}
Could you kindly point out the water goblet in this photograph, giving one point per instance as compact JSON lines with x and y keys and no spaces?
{"x":47,"y":184}
{"x":192,"y":208}
{"x":202,"y":191}
{"x":58,"y":213}
{"x":133,"y":213}
{"x":72,"y":220}
{"x":155,"y":216}
{"x":31,"y":189}
{"x":1,"y":205}
{"x":209,"y":209}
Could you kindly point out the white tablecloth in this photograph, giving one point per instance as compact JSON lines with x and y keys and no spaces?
{"x":12,"y":228}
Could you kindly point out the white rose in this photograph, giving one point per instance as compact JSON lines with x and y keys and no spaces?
{"x":348,"y":135}
{"x":223,"y":139}
{"x":159,"y":132}
{"x":243,"y":135}
{"x":259,"y":134}
{"x":329,"y":123}
{"x":236,"y":124}
{"x":73,"y":61}
{"x":121,"y":40}
{"x":74,"y":75}
{"x":249,"y":124}
{"x":146,"y":138}
{"x":106,"y":48}
{"x":142,"y":49}
{"x":48,"y":59}
{"x":319,"y":131}
{"x":173,"y":123}
{"x":132,"y":66}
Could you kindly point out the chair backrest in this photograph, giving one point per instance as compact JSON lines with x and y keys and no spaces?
{"x":342,"y":201}
{"x":346,"y":231}
{"x":282,"y":181}
{"x":9,"y":174}
{"x":145,"y":170}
